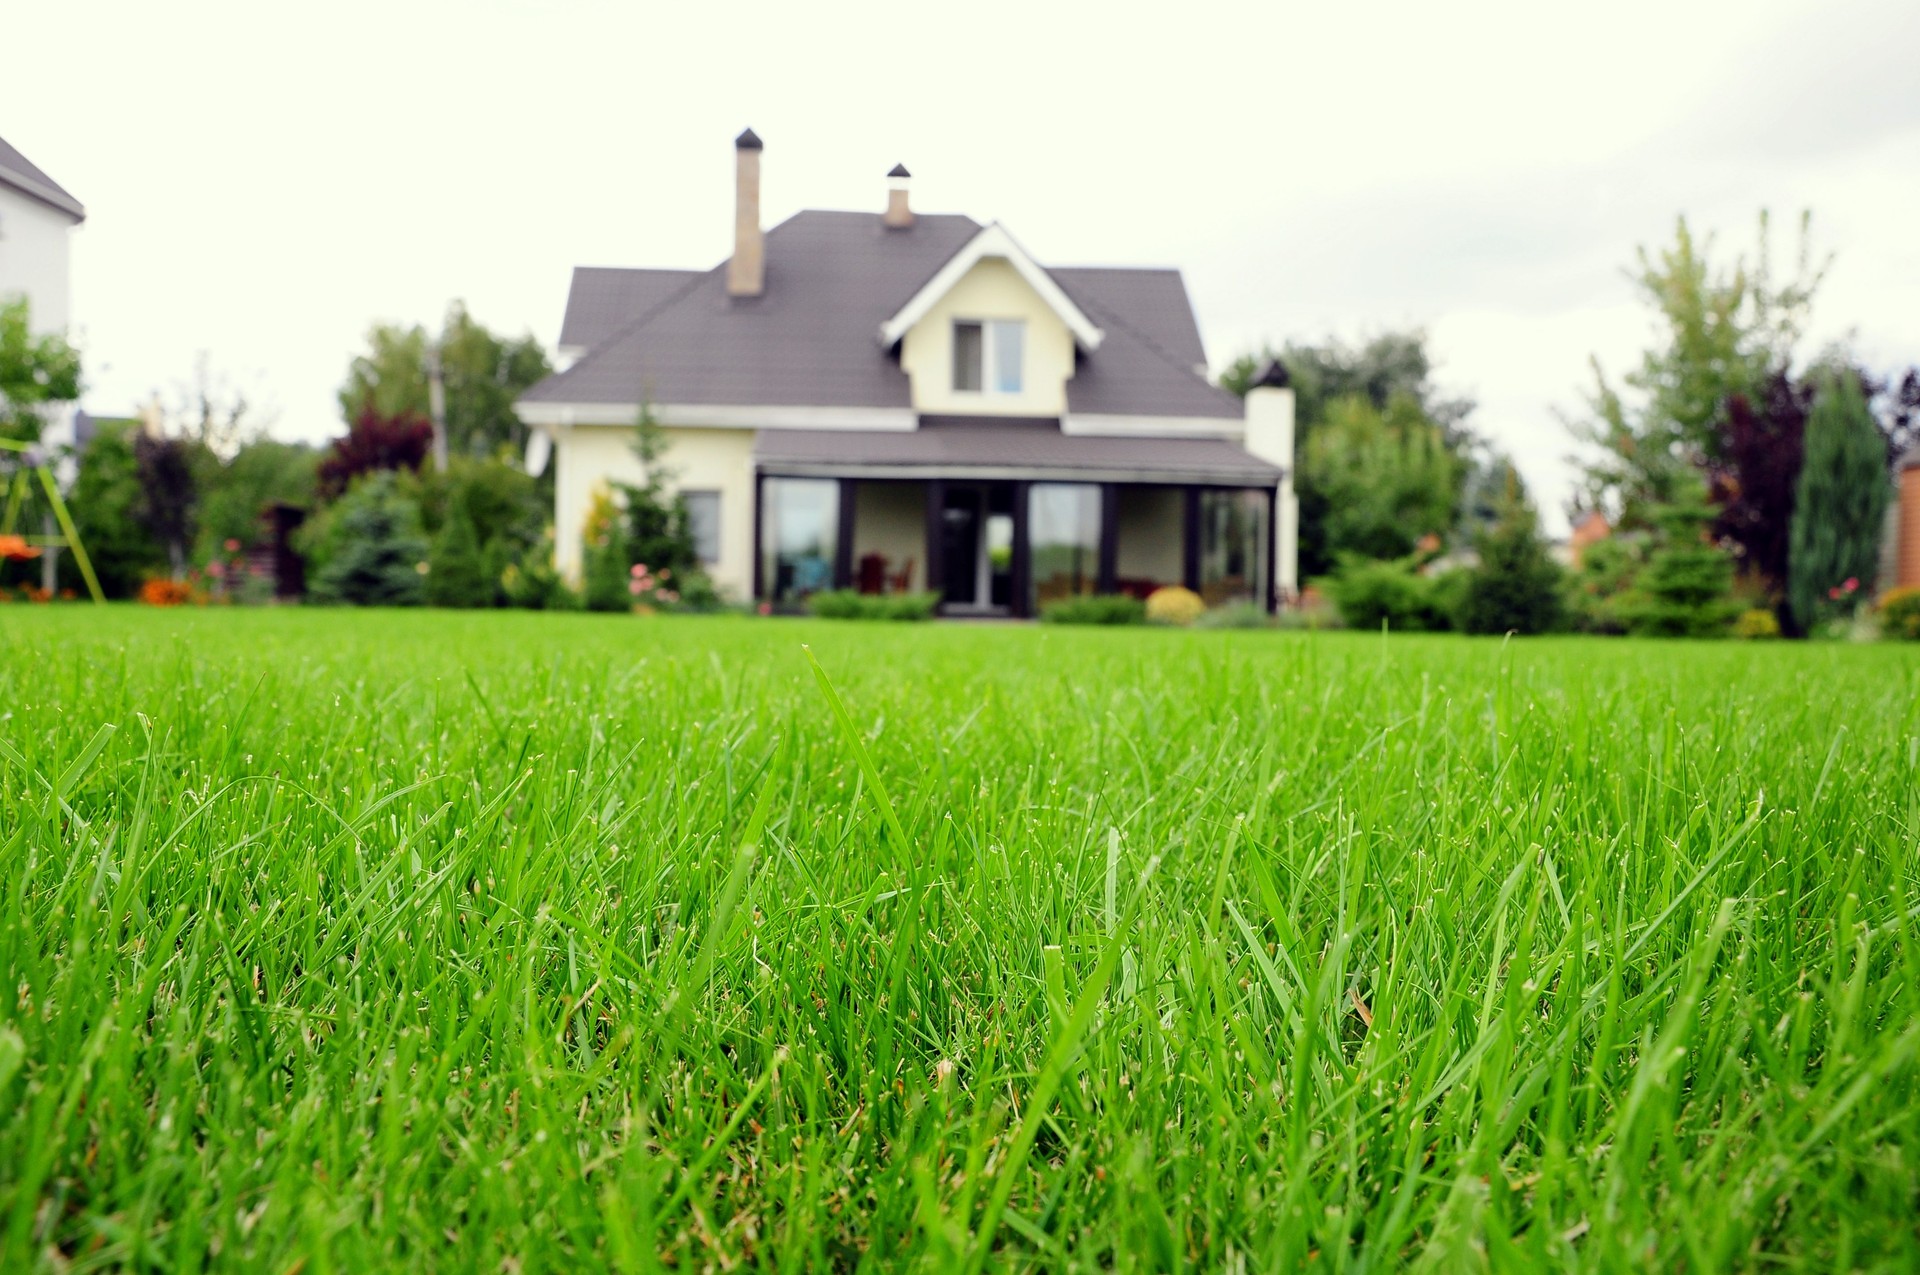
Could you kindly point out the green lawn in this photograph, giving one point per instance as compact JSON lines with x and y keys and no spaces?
{"x":345,"y":941}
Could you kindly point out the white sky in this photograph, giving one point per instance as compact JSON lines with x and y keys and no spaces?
{"x":264,"y":181}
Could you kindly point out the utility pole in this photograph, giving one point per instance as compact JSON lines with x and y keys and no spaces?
{"x":437,"y":406}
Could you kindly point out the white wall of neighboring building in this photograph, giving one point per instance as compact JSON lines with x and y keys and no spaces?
{"x":590,"y":457}
{"x":34,"y":257}
{"x":1270,"y":437}
{"x":993,"y":289}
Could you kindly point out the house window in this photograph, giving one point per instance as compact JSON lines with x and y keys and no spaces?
{"x":1064,"y":533}
{"x":989,"y":355}
{"x":799,"y":530}
{"x":1233,"y":546}
{"x":703,"y":524}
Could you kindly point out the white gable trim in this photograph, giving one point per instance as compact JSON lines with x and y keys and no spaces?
{"x":993,"y":241}
{"x":1153,"y":426}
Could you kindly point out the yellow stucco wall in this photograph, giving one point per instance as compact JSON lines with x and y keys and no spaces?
{"x":589,"y":456}
{"x":991,"y":290}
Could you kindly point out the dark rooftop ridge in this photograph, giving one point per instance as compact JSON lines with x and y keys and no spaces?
{"x":1274,"y":376}
{"x":748,"y":141}
{"x":899,"y":170}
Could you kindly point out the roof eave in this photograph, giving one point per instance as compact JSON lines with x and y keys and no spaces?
{"x":52,"y":196}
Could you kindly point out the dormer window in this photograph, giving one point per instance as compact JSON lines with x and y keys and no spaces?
{"x":989,"y":356}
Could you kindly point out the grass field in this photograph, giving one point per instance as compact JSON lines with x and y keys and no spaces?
{"x":344,"y":941}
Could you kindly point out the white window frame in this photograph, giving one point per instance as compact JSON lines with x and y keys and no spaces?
{"x":989,"y":360}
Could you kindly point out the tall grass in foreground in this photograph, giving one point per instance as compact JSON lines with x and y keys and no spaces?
{"x":346,"y":941}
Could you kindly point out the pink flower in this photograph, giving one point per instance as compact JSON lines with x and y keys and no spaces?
{"x":1853,"y":582}
{"x":1834,"y":593}
{"x":233,"y":546}
{"x":216,"y":568}
{"x":668,"y":595}
{"x":639,"y":568}
{"x":665,"y":572}
{"x":766,"y":608}
{"x":635,"y":588}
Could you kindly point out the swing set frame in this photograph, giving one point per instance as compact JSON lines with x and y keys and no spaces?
{"x":69,"y":537}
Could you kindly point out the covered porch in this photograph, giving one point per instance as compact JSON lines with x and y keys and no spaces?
{"x":1002,"y":518}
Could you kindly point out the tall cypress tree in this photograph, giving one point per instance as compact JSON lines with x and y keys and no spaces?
{"x":1841,"y":503}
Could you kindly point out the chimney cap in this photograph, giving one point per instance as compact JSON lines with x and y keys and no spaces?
{"x":1274,"y":376}
{"x":899,"y":170}
{"x":747,"y":141}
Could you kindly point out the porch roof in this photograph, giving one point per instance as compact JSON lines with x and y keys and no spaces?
{"x":1001,"y":447}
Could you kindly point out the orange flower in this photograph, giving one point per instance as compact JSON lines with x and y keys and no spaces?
{"x":16,"y":549}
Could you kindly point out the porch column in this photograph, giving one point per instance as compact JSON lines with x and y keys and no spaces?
{"x":843,"y":541}
{"x":936,"y":539}
{"x":1109,"y":537}
{"x":1021,"y":572}
{"x":1273,"y":550}
{"x":1190,"y":565}
{"x":759,"y":557}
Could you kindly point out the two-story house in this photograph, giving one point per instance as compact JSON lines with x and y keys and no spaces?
{"x":901,"y":401}
{"x":37,"y":218}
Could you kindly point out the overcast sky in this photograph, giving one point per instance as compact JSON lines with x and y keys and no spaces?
{"x":264,"y":181}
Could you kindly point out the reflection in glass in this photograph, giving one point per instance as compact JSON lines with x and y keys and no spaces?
{"x":1233,"y":547}
{"x":1064,"y":531}
{"x":799,"y":522}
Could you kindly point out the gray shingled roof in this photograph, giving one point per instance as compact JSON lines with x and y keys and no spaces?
{"x":603,"y":300}
{"x":832,"y":279}
{"x":19,"y":172}
{"x":963,"y":446}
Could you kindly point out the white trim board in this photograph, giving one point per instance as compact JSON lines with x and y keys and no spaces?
{"x":722,"y":416}
{"x":1154,"y":426}
{"x":993,"y":241}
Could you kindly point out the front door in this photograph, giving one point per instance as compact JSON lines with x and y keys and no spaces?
{"x":977,"y":547}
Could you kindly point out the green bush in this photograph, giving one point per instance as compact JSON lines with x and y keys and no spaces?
{"x":1236,"y":615}
{"x":1900,"y":614}
{"x":848,"y":604}
{"x":457,"y":573}
{"x":1516,"y":587}
{"x":1371,"y":593}
{"x":370,"y":546}
{"x":1095,"y":608}
{"x":1686,"y":589}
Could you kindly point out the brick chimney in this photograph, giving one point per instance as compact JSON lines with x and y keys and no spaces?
{"x":899,"y":213}
{"x":747,"y":271}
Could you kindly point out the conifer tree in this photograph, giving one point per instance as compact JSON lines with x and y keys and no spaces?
{"x":457,"y":573}
{"x":1840,"y":506}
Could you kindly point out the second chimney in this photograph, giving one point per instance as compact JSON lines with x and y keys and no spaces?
{"x":747,"y":271}
{"x":899,"y":213}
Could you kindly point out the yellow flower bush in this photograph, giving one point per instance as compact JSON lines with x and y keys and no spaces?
{"x":1174,"y":605}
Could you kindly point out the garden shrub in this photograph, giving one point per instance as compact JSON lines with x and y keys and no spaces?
{"x":1370,"y":593}
{"x":848,"y":604}
{"x":371,"y":545}
{"x":609,"y":563}
{"x":1174,"y":605}
{"x":1095,"y":608}
{"x":1686,"y":589}
{"x":531,"y":582}
{"x":457,"y":573}
{"x":1756,"y":624}
{"x":1900,"y":614}
{"x":1516,"y":587}
{"x":1236,"y":615}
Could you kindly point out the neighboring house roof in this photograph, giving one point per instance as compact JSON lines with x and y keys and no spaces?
{"x":19,"y":172}
{"x":968,"y":446}
{"x":603,"y":300}
{"x":810,"y":340}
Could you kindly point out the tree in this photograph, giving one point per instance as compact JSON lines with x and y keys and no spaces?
{"x":1686,"y":588}
{"x":168,"y":493}
{"x":375,"y":441}
{"x":1387,"y":476}
{"x":1840,"y":507}
{"x":1516,"y":586}
{"x":1756,"y":473}
{"x":482,"y":374}
{"x":657,"y":530}
{"x":1384,"y":367}
{"x":235,"y":494}
{"x":106,"y":502}
{"x":457,"y":574}
{"x":370,"y":546}
{"x":1720,"y":330}
{"x":34,"y":371}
